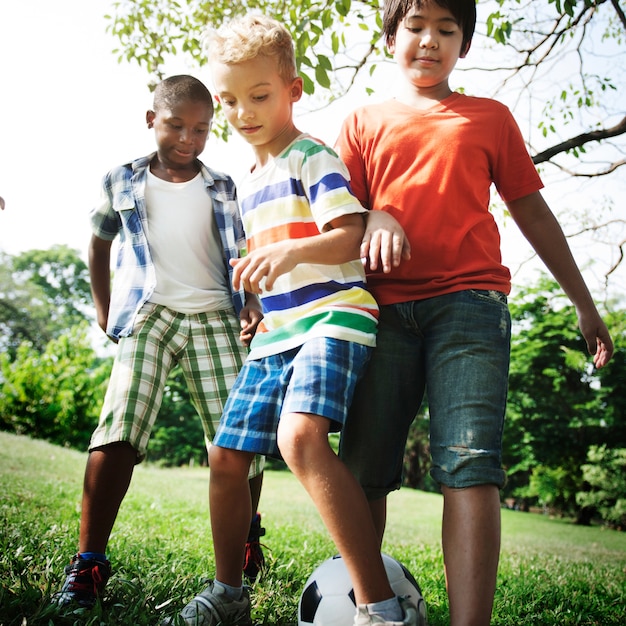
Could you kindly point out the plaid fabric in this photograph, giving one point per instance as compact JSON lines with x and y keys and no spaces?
{"x":207,"y":347}
{"x":122,"y":211}
{"x":317,"y":378}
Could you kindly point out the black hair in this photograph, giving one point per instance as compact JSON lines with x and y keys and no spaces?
{"x":464,"y":12}
{"x":174,"y":89}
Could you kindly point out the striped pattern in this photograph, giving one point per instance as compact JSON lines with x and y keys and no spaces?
{"x":294,"y":196}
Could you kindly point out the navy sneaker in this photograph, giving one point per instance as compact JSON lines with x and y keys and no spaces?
{"x":254,"y":560}
{"x":84,"y":583}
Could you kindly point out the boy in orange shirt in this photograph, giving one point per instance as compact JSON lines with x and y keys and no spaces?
{"x":423,"y":163}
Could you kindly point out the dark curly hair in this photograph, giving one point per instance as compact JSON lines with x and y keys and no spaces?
{"x":174,"y":89}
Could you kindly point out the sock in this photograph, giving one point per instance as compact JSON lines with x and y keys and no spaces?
{"x":232,"y":593}
{"x":390,"y":610}
{"x":98,"y":556}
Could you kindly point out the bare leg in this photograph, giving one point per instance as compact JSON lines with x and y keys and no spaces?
{"x":378,"y":508}
{"x":471,"y":549}
{"x":303,"y":442}
{"x":107,"y":477}
{"x":231,"y":511}
{"x":255,"y":491}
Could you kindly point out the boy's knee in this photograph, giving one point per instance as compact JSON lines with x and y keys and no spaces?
{"x":298,"y":438}
{"x":224,"y":462}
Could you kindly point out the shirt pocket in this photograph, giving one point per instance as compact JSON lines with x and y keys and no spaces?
{"x":124,"y":205}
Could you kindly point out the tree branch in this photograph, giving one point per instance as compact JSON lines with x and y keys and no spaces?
{"x":581,"y":140}
{"x":620,"y":12}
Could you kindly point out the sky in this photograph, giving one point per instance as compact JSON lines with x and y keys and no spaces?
{"x":70,"y":112}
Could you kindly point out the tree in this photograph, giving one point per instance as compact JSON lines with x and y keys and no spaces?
{"x":55,"y":394}
{"x":64,"y":279}
{"x":23,"y":316}
{"x":417,"y":462}
{"x":605,"y":476}
{"x":44,"y":293}
{"x":559,"y":64}
{"x":337,"y":41}
{"x":558,"y":405}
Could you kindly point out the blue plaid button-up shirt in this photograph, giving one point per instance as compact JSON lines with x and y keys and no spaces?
{"x":122,"y":212}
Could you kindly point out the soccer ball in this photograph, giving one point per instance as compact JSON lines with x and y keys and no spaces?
{"x":328,"y":597}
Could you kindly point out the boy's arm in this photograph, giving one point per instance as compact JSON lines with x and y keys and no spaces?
{"x":384,"y":242}
{"x":249,"y":318}
{"x":339,"y":243}
{"x":99,"y":258}
{"x":541,"y":228}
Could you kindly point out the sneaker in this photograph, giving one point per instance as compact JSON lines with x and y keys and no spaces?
{"x":412,"y":616}
{"x":211,"y":607}
{"x":254,"y":560}
{"x":85,"y":582}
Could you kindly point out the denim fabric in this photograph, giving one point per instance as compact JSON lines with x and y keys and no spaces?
{"x":455,"y":348}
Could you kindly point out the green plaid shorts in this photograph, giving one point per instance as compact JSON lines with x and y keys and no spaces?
{"x":208,"y":350}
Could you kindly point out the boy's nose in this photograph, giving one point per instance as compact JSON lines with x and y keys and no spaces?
{"x":428,"y":40}
{"x":245,"y":113}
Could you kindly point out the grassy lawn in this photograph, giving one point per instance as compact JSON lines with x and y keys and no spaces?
{"x":551,"y":572}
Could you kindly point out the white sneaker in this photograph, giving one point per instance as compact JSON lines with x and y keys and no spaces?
{"x":412,"y":616}
{"x":211,"y":607}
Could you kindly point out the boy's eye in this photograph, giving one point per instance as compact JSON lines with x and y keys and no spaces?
{"x":260,"y":98}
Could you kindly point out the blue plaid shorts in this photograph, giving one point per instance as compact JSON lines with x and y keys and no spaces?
{"x":318,"y":377}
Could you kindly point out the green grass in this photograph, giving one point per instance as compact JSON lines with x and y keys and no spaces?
{"x":551,"y":573}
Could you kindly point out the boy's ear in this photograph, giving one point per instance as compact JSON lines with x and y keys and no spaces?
{"x":465,"y":50}
{"x":150,"y":115}
{"x":297,"y":87}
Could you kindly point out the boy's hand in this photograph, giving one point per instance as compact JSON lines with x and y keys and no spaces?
{"x":384,"y":242}
{"x":596,"y":334}
{"x":264,"y":264}
{"x":249,"y":319}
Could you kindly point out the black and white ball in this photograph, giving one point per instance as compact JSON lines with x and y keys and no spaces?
{"x":328,"y":597}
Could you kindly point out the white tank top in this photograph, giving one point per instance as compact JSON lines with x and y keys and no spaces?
{"x":185,"y":247}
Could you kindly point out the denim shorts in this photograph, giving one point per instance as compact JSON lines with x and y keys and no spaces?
{"x":318,"y":378}
{"x":456,"y":349}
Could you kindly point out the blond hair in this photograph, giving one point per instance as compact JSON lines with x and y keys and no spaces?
{"x":250,"y":36}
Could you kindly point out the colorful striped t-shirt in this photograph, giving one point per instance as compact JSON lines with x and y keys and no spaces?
{"x":295,"y":195}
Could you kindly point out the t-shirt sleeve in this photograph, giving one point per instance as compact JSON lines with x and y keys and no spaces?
{"x":515,"y":175}
{"x":105,"y":221}
{"x":327,"y":181}
{"x":350,"y":151}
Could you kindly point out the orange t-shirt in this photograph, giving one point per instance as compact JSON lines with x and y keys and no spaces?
{"x":432,"y":170}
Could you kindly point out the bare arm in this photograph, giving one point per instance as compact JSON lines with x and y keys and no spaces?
{"x":539,"y":225}
{"x":99,"y":258}
{"x":339,"y":244}
{"x":249,"y":318}
{"x":384,"y":242}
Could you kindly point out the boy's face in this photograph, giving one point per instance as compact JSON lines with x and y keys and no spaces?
{"x":257,"y":101}
{"x":180,"y":132}
{"x":427,"y":46}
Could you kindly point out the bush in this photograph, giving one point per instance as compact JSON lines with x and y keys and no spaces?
{"x":606,"y":476}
